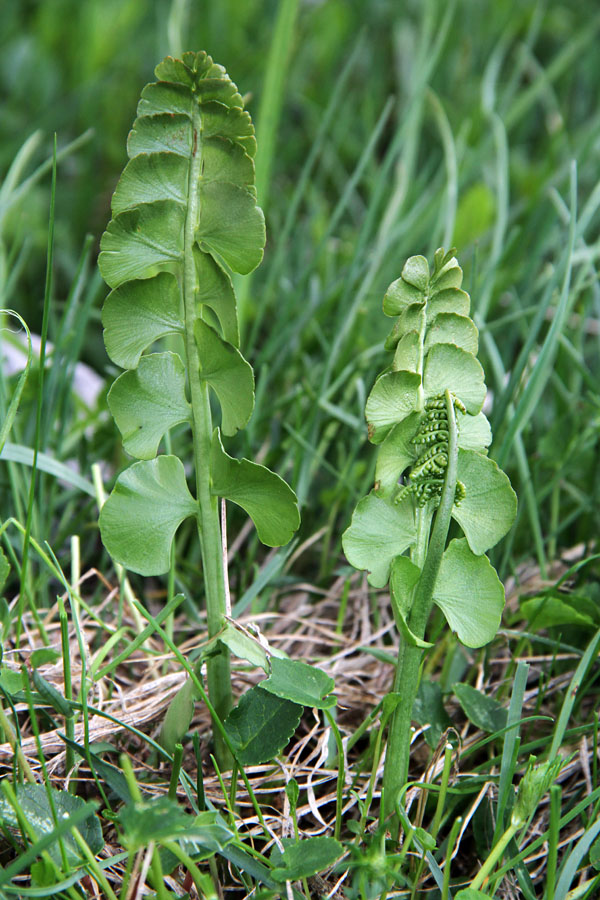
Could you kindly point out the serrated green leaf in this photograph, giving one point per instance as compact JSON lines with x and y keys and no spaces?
{"x":141,"y":242}
{"x":300,"y":682}
{"x":268,"y":500}
{"x":178,"y":716}
{"x":393,"y":397}
{"x":449,"y":368}
{"x":261,"y":725}
{"x":450,"y":328}
{"x":379,"y":531}
{"x":149,"y":400}
{"x":403,"y":578}
{"x":35,"y":808}
{"x":154,"y":305}
{"x":224,"y":368}
{"x":490,"y":504}
{"x":139,"y":519}
{"x":243,"y":645}
{"x":302,"y":859}
{"x":470,"y":594}
{"x":396,"y":453}
{"x":483,"y":711}
{"x":232,"y":225}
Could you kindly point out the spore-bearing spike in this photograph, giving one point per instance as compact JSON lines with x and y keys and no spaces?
{"x":426,"y":479}
{"x":430,"y":437}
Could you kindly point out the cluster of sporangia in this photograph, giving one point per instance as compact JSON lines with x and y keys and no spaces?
{"x":426,"y":479}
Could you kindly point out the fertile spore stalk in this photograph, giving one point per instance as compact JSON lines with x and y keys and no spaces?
{"x":424,"y":412}
{"x":184,"y":217}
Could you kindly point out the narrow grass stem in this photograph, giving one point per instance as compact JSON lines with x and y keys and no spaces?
{"x":439,"y":809}
{"x":553,"y":833}
{"x":24,"y":575}
{"x":209,"y":525}
{"x":341,"y":773}
{"x":177,"y":757}
{"x":93,"y":866}
{"x":457,"y":825}
{"x":11,"y":739}
{"x":409,"y":657}
{"x":204,"y":883}
{"x":494,"y":856}
{"x":66,"y":655}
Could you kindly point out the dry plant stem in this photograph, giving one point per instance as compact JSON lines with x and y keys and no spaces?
{"x":406,"y":681}
{"x":218,"y":667}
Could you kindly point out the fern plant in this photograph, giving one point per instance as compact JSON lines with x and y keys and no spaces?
{"x":185,"y":216}
{"x":425,"y":414}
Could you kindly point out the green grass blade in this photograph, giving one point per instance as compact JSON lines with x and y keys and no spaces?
{"x":11,"y":413}
{"x":571,"y":695}
{"x":510,"y":743}
{"x":46,"y":463}
{"x":267,"y":121}
{"x":543,"y":366}
{"x":573,"y":859}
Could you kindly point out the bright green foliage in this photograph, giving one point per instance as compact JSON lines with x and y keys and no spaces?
{"x":42,"y":815}
{"x":434,"y":344}
{"x":300,"y":682}
{"x":425,"y":413}
{"x":301,"y":859}
{"x":184,"y":215}
{"x":261,"y":725}
{"x":162,"y":819}
{"x":534,"y":784}
{"x":483,"y":711}
{"x":139,"y":520}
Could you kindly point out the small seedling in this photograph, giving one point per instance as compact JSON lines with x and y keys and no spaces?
{"x":184,"y":216}
{"x":424,"y":413}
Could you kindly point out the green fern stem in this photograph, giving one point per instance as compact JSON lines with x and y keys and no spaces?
{"x":427,"y":554}
{"x":209,"y":526}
